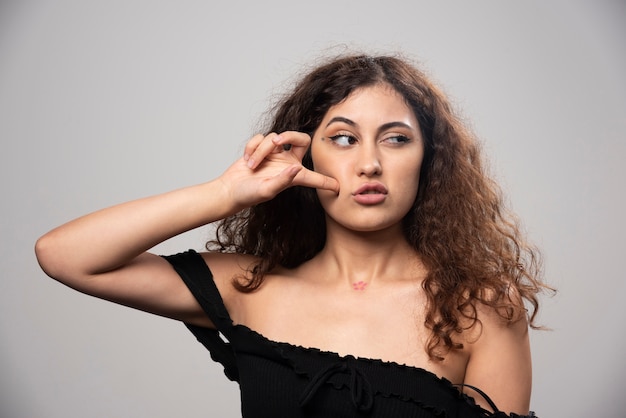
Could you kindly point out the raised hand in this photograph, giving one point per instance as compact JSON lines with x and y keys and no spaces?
{"x":75,"y":252}
{"x":271,"y":164}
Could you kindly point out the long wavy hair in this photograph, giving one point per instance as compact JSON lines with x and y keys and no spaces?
{"x":471,"y":245}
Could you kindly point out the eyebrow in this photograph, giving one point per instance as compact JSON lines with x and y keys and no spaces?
{"x":341,"y":119}
{"x":382,"y":127}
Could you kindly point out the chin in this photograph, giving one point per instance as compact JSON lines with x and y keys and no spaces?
{"x":367,"y":225}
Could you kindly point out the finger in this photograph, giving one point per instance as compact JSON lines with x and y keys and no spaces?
{"x":252,"y":144}
{"x":298,"y":141}
{"x":262,"y":150}
{"x":316,"y":180}
{"x":274,"y":185}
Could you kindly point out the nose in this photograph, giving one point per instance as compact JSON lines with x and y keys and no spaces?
{"x":368,"y":163}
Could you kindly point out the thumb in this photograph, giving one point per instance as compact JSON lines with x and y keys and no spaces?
{"x":274,"y":185}
{"x":317,"y":180}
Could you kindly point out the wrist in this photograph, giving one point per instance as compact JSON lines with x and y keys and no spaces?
{"x":224,"y":194}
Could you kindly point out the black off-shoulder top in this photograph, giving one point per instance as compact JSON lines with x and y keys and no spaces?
{"x":279,"y":379}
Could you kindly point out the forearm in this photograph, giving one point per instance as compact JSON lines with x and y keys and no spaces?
{"x":110,"y":238}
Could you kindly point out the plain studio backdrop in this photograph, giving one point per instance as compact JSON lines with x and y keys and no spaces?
{"x":103,"y":102}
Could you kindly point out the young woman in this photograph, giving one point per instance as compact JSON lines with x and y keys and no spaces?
{"x":363,"y":265}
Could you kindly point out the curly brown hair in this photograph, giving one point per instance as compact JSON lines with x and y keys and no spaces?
{"x":471,"y":245}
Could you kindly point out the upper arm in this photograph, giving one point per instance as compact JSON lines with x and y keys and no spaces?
{"x":500,"y":363}
{"x":148,"y":283}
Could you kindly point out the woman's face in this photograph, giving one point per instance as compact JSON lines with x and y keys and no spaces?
{"x":372,"y":144}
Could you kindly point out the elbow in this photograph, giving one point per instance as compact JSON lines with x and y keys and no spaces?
{"x":47,"y":254}
{"x":61,"y":261}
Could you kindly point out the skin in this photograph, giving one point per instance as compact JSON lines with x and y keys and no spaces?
{"x":105,"y":253}
{"x":372,"y":138}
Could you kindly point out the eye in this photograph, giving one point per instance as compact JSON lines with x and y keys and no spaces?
{"x":397,"y":139}
{"x":343,"y":140}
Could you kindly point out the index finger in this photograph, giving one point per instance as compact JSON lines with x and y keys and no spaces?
{"x":299,"y":141}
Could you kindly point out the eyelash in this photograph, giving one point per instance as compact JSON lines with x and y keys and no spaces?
{"x":402,"y":139}
{"x":335,"y":139}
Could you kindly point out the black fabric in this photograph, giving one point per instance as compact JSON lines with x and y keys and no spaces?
{"x":283,"y":380}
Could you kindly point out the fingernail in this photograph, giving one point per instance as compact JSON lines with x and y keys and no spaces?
{"x":250,"y":163}
{"x":276,"y":139}
{"x":246,"y":157}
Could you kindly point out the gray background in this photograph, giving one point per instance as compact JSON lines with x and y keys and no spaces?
{"x":102,"y":102}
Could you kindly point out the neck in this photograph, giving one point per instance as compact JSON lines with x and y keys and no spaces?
{"x":361,"y":258}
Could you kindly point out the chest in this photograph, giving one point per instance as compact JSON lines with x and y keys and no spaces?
{"x":366,"y":325}
{"x":376,"y":323}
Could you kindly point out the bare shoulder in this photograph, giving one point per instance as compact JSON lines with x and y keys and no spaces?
{"x":500,"y":361}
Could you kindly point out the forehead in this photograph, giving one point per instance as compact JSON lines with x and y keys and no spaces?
{"x":379,"y":103}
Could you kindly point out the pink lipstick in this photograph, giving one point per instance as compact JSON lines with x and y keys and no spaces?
{"x":370,"y":194}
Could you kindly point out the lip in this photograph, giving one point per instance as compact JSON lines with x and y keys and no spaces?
{"x":370,"y":193}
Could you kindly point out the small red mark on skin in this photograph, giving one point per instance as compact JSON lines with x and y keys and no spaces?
{"x":360,"y":285}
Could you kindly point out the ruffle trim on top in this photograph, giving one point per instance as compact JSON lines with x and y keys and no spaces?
{"x":299,"y":360}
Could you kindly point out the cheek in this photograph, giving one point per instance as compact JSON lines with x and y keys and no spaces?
{"x":321,"y":161}
{"x":410,"y":168}
{"x":408,"y":176}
